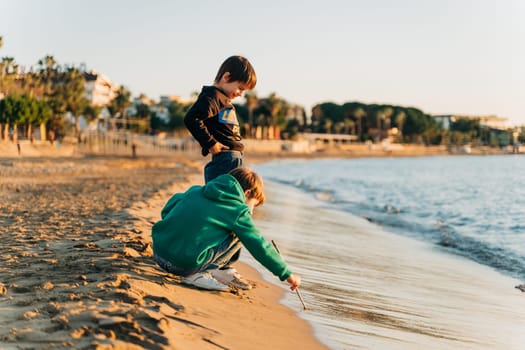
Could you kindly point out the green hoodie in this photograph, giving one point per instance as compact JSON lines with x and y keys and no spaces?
{"x":195,"y":222}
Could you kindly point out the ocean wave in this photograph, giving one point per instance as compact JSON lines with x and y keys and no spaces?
{"x":449,"y":202}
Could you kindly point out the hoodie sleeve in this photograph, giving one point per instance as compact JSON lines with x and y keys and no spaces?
{"x":194,"y":121}
{"x":259,"y":247}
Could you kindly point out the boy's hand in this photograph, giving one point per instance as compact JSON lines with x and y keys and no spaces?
{"x":294,"y":281}
{"x":218,"y":148}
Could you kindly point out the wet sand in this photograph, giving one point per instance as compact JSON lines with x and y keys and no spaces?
{"x":367,"y":288}
{"x":77,"y":269}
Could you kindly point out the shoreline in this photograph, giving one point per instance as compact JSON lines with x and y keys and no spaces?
{"x":389,"y":291}
{"x":261,"y":306}
{"x":141,"y":299}
{"x":257,"y":150}
{"x":78,"y":270}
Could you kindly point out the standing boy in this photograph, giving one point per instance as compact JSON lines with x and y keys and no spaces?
{"x":212,"y":119}
{"x":202,"y":229}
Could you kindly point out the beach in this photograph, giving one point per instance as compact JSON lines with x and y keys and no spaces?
{"x":77,"y":270}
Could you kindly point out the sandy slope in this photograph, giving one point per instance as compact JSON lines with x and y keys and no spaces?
{"x":77,"y":271}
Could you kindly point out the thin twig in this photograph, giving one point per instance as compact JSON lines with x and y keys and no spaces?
{"x":296,"y":289}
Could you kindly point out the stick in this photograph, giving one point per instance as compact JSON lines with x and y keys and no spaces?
{"x":296,"y":289}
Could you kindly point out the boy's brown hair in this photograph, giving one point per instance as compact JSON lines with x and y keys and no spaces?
{"x":250,"y":182}
{"x":240,"y":69}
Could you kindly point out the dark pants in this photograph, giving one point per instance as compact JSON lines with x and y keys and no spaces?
{"x":222,"y":163}
{"x":223,"y":256}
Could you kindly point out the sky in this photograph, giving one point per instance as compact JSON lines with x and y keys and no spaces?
{"x":442,"y":56}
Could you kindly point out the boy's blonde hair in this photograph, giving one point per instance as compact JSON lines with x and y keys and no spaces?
{"x":240,"y":69}
{"x":250,"y":182}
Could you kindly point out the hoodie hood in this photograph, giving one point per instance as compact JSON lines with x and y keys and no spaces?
{"x":224,"y":188}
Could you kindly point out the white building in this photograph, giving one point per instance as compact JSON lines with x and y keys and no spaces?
{"x":99,"y":90}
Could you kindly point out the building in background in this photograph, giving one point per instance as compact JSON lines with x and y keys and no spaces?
{"x":99,"y":90}
{"x":489,"y":121}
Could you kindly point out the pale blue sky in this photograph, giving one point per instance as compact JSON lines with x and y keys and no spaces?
{"x":442,"y":56}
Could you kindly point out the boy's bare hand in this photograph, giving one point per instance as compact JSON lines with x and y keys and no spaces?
{"x":218,"y":148}
{"x":294,"y":281}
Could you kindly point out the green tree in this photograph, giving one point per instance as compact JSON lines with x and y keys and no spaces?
{"x":251,"y":103}
{"x":91,"y":112}
{"x":46,"y":75}
{"x":327,"y":125}
{"x":332,"y":114}
{"x":177,"y":111}
{"x":8,"y":70}
{"x":8,"y":114}
{"x":27,"y":109}
{"x":43,"y":114}
{"x":465,"y":125}
{"x":67,"y":95}
{"x":21,"y":110}
{"x":400,"y":122}
{"x":274,"y":106}
{"x":120,"y":102}
{"x":416,"y":124}
{"x":143,"y":111}
{"x":387,"y":117}
{"x":349,"y":126}
{"x":359,"y":114}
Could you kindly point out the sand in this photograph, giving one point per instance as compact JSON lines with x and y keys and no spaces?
{"x":76,"y":266}
{"x":77,"y":269}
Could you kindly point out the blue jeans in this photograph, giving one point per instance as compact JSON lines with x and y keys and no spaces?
{"x":222,"y":163}
{"x":223,"y":256}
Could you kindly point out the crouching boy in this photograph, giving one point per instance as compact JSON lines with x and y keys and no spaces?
{"x":202,"y":229}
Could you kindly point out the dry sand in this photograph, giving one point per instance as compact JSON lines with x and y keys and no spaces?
{"x":77,"y":271}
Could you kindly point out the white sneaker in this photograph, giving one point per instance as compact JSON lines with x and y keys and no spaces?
{"x":204,"y":280}
{"x":231,"y":277}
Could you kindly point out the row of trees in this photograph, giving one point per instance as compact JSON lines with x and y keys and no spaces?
{"x":366,"y":121}
{"x":25,"y":110}
{"x":41,"y":96}
{"x":44,"y":95}
{"x":254,"y":112}
{"x":404,"y":124}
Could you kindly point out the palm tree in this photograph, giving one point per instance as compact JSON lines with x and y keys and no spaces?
{"x":400,"y":120}
{"x":74,"y":98}
{"x":120,"y":102}
{"x":387,"y":114}
{"x":327,"y":125}
{"x":9,"y":111}
{"x":251,"y":103}
{"x":274,"y":105}
{"x":379,"y":117}
{"x":41,"y":85}
{"x":8,"y":68}
{"x":45,"y":76}
{"x":349,"y":125}
{"x":359,"y":113}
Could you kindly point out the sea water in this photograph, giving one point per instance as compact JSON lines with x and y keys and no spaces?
{"x":403,"y":253}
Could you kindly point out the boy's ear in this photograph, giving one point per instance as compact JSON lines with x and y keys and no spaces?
{"x":226,"y":77}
